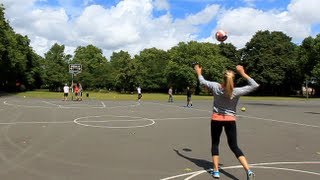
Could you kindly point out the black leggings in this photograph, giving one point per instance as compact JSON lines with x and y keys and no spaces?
{"x":230,"y":129}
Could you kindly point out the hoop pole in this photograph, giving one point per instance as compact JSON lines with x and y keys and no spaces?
{"x":72,"y":86}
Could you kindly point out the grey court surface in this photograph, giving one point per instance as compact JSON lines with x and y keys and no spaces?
{"x":50,"y":139}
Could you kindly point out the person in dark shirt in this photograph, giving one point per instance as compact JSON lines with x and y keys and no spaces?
{"x":189,"y":94}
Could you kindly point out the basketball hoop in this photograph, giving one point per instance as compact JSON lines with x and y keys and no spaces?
{"x":75,"y":68}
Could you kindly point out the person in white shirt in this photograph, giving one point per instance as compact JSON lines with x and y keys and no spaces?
{"x":170,"y":95}
{"x":139,"y":93}
{"x":65,"y":92}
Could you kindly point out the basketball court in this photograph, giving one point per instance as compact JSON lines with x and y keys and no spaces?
{"x":118,"y":140}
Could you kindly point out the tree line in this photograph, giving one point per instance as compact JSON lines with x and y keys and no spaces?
{"x":280,"y":66}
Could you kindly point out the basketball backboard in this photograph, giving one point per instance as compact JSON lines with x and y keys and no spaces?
{"x":75,"y":68}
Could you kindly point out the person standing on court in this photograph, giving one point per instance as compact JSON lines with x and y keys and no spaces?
{"x":189,"y":94}
{"x":80,"y":91}
{"x":139,"y":93}
{"x":226,"y":98}
{"x":65,"y":92}
{"x":170,"y":92}
{"x":76,"y":91}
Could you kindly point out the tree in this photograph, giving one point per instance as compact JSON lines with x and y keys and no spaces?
{"x":56,"y":67}
{"x":270,"y":57}
{"x":229,"y":51}
{"x":206,"y":54}
{"x":309,"y":60}
{"x":151,"y":63}
{"x":19,"y":65}
{"x":124,"y":71}
{"x":180,"y":76}
{"x":95,"y":67}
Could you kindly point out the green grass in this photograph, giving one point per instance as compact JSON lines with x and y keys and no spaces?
{"x":146,"y":96}
{"x":107,"y":96}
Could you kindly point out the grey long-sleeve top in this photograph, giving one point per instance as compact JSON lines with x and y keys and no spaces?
{"x":223,"y":104}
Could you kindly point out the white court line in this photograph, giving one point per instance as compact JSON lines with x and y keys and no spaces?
{"x":17,"y":105}
{"x":66,"y":122}
{"x":79,"y":107}
{"x":159,"y":119}
{"x":252,"y":117}
{"x":284,"y":122}
{"x":103,"y":105}
{"x":66,"y":107}
{"x":194,"y":175}
{"x":287,"y":169}
{"x":114,"y":127}
{"x":181,"y":175}
{"x":182,"y":118}
{"x":260,"y":167}
{"x":256,"y":165}
{"x":76,"y":121}
{"x":51,"y":103}
{"x":100,"y":107}
{"x":36,"y":122}
{"x":178,"y":106}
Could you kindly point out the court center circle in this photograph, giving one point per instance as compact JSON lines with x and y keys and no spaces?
{"x":118,"y":119}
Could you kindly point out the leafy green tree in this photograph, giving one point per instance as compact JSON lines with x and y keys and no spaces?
{"x":206,"y":54}
{"x":56,"y":67}
{"x":150,"y":74}
{"x":309,"y":60}
{"x":19,"y":65}
{"x":33,"y":77}
{"x":95,"y":67}
{"x":309,"y":55}
{"x":229,"y":51}
{"x":316,"y":56}
{"x":180,"y":75}
{"x":123,"y":71}
{"x":270,"y":57}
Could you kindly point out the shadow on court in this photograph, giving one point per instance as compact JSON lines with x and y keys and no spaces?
{"x":206,"y":165}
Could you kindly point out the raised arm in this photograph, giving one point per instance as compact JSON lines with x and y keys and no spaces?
{"x":211,"y":85}
{"x":241,"y":71}
{"x":252,"y":84}
{"x":198,"y":70}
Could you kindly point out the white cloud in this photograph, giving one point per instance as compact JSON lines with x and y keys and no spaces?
{"x":252,"y":3}
{"x":204,"y":16}
{"x":243,"y":23}
{"x":161,"y":4}
{"x":53,"y":24}
{"x":306,"y":11}
{"x":128,"y":26}
{"x":14,"y":8}
{"x":87,"y":2}
{"x":131,"y":26}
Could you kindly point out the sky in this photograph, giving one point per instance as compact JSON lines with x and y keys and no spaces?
{"x":133,"y":25}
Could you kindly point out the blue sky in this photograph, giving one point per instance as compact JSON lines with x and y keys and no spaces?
{"x":133,"y":25}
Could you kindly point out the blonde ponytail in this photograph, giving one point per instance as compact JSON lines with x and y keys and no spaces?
{"x":229,"y":83}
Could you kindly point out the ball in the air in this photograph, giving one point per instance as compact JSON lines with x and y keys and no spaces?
{"x":243,"y":109}
{"x":221,"y":35}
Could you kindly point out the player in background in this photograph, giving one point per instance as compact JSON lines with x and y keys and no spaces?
{"x":170,"y":93}
{"x":65,"y":92}
{"x":139,"y":93}
{"x":79,"y":98}
{"x":189,"y":94}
